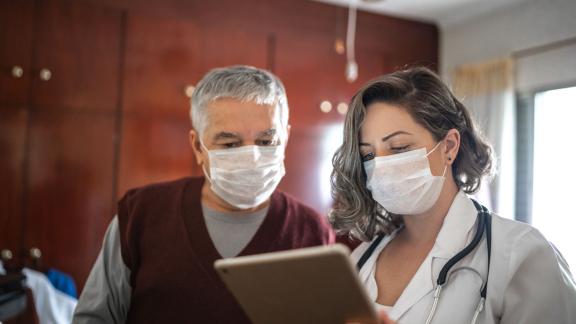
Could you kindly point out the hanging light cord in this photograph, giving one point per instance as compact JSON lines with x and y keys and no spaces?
{"x":351,"y":32}
{"x":351,"y":66}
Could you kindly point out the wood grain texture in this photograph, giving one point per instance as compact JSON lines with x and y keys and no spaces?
{"x":12,"y":152}
{"x":70,"y":188}
{"x":16,"y":32}
{"x":79,"y":44}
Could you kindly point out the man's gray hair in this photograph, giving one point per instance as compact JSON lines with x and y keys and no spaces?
{"x":243,"y":83}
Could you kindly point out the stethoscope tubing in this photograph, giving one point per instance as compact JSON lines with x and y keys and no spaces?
{"x":484,"y":225}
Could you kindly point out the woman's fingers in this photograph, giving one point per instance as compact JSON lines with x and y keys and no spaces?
{"x":384,"y":319}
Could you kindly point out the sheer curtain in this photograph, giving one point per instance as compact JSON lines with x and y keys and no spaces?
{"x":487,"y":89}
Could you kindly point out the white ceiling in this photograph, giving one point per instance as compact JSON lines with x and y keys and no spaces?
{"x":442,"y":12}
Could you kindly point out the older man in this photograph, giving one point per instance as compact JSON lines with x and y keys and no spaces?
{"x":156,"y":263}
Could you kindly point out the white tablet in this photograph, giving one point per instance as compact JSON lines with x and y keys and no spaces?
{"x":313,"y":285}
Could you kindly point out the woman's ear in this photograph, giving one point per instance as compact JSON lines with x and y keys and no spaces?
{"x":452,"y":141}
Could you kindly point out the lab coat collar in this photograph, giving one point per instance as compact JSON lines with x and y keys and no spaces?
{"x":455,"y":231}
{"x":450,"y":240}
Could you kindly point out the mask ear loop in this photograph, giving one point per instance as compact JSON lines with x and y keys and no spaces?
{"x":432,"y":150}
{"x":202,"y":166}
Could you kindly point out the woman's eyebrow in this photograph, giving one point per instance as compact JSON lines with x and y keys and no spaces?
{"x":389,"y":136}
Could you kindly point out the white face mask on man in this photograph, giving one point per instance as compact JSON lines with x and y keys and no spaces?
{"x":403,"y":183}
{"x":245,"y":176}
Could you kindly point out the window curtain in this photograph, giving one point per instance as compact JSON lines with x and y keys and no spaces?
{"x":487,"y":89}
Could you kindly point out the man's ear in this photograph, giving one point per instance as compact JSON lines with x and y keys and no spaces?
{"x":288,"y":127}
{"x":452,"y":141}
{"x":197,"y":149}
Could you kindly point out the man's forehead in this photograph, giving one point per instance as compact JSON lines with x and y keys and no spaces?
{"x":232,"y":116}
{"x":224,"y":107}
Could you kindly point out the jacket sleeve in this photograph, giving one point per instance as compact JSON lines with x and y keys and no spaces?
{"x":106,"y":295}
{"x":541,"y":288}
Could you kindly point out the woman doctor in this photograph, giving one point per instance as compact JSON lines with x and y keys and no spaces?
{"x":410,"y":156}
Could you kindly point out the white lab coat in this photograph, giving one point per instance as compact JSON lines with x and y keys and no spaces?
{"x":529,"y":281}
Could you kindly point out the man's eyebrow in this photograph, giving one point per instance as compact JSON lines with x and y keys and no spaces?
{"x":226,"y":135}
{"x":268,"y":132}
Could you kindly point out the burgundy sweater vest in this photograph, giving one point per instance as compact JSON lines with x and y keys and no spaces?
{"x":166,"y":245}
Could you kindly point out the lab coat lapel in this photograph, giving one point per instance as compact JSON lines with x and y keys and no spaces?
{"x":419,"y":286}
{"x":452,"y":238}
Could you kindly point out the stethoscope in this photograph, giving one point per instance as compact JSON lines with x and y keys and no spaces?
{"x":484,"y":224}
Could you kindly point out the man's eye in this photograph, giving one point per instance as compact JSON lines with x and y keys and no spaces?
{"x":367,"y":157}
{"x":266,"y":142}
{"x":231,"y":145}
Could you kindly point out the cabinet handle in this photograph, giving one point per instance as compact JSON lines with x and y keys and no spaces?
{"x":17,"y":71}
{"x":6,"y":255}
{"x":35,"y":253}
{"x":45,"y":74}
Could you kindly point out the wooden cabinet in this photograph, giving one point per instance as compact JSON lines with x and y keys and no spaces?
{"x":154,"y":150}
{"x":78,"y":46}
{"x":58,"y":129}
{"x":16,"y":32}
{"x":93,"y":102}
{"x":162,"y":58}
{"x":12,"y":152}
{"x":70,"y":188}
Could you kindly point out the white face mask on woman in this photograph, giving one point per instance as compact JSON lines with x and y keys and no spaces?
{"x":245,"y":176}
{"x":403,"y":183}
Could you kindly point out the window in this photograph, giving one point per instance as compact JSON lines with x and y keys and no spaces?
{"x":554,"y":169}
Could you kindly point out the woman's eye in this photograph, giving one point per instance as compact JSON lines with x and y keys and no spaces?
{"x":367,"y":157}
{"x":399,"y":148}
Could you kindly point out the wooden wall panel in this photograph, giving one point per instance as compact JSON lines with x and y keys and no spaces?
{"x":76,"y":121}
{"x":315,"y":72}
{"x":162,"y":57}
{"x":12,"y":152}
{"x":80,"y":45}
{"x":16,"y":25}
{"x":154,"y":150}
{"x":70,"y":187}
{"x":309,"y":163}
{"x":228,"y":45}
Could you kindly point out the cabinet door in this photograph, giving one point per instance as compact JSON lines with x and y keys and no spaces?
{"x":77,"y":53}
{"x":154,"y":150}
{"x":12,"y":152}
{"x":224,"y":44}
{"x":70,"y":184}
{"x":16,"y":24}
{"x":162,"y":58}
{"x":164,"y":55}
